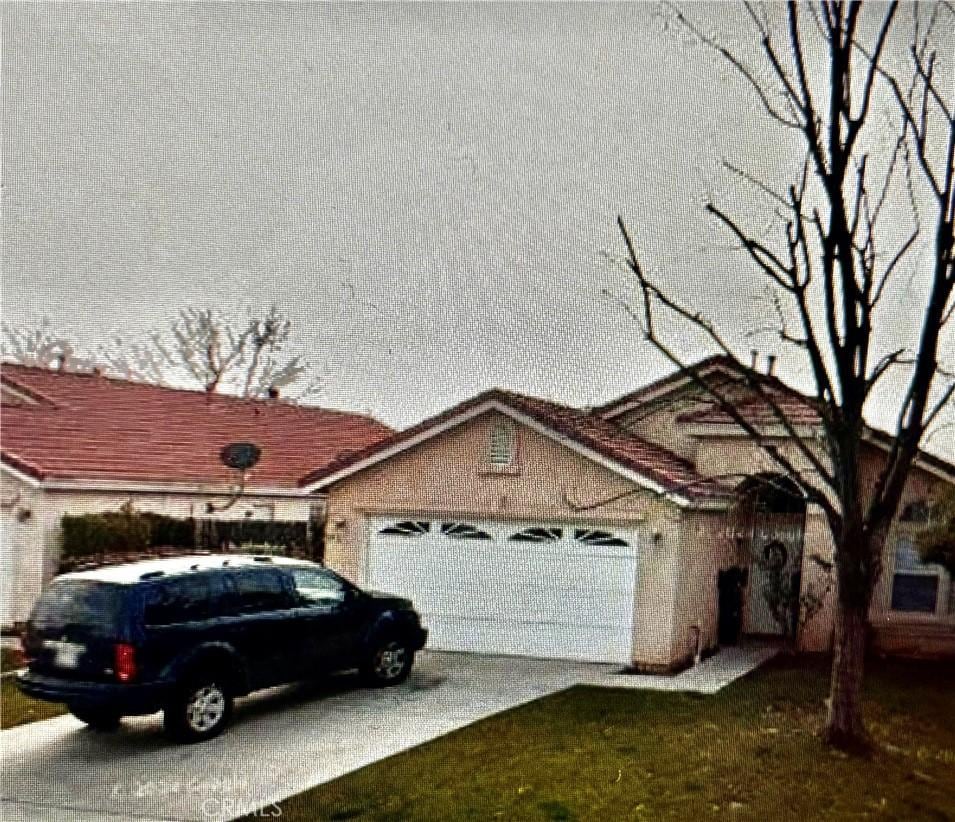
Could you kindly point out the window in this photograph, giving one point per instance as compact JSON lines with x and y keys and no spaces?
{"x":591,"y":536}
{"x":96,"y":607}
{"x":501,"y":445}
{"x":915,"y":584}
{"x":317,"y":587}
{"x":537,"y":534}
{"x":408,"y":528}
{"x":259,"y":590}
{"x":917,"y":511}
{"x":178,"y":600}
{"x":461,"y":530}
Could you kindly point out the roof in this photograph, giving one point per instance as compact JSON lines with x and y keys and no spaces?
{"x":797,"y":409}
{"x":624,"y":450}
{"x":718,"y":362}
{"x":131,"y":572}
{"x":94,"y":428}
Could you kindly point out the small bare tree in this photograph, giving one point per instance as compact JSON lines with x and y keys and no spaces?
{"x":845,"y":226}
{"x":204,"y":347}
{"x":40,"y":346}
{"x":200,"y":348}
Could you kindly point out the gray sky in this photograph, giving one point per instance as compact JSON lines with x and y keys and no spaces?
{"x":428,"y":191}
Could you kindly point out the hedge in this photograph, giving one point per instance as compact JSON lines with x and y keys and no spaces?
{"x":123,"y":532}
{"x":128,"y":531}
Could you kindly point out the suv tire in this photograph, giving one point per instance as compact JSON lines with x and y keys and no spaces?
{"x":200,"y":709}
{"x":98,"y":719}
{"x":388,"y":662}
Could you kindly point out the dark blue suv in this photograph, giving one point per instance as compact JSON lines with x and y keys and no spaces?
{"x":186,"y":635}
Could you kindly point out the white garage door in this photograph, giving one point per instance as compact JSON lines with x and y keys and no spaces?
{"x":529,"y":589}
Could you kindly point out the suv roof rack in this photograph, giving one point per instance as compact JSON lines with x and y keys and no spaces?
{"x":152,"y":574}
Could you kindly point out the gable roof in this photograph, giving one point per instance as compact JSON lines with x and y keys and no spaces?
{"x":93,"y":428}
{"x":800,"y":411}
{"x":633,"y":399}
{"x":797,"y":406}
{"x":618,"y":450}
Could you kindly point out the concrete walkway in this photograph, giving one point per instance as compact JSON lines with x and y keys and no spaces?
{"x":711,"y":675}
{"x":286,"y":740}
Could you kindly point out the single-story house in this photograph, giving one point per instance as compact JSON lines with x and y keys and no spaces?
{"x":76,"y":443}
{"x":643,"y":532}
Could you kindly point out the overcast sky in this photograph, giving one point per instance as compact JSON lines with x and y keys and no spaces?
{"x":429,"y":192}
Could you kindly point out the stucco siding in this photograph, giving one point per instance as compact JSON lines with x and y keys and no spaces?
{"x":706,"y":549}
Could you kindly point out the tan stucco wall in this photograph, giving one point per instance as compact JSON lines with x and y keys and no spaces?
{"x":448,"y":475}
{"x":657,"y":422}
{"x":32,"y":549}
{"x":707,"y":548}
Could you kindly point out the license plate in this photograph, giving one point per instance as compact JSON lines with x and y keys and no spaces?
{"x":66,"y":654}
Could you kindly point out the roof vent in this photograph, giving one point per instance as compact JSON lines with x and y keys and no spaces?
{"x":152,"y":574}
{"x":262,"y":558}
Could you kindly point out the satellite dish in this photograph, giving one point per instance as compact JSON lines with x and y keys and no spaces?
{"x":240,"y":455}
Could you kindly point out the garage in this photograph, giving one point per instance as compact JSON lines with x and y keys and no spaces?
{"x":540,"y":589}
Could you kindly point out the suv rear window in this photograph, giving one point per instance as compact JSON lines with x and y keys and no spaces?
{"x":94,"y":607}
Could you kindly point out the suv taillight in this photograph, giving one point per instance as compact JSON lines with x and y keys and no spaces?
{"x":124,"y":659}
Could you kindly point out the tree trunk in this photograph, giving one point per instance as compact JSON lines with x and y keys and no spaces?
{"x":845,"y":728}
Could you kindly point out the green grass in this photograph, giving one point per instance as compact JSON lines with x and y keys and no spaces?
{"x":750,"y":752}
{"x":15,"y":708}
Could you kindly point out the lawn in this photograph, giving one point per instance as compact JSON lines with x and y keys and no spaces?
{"x":750,"y":752}
{"x":15,"y":708}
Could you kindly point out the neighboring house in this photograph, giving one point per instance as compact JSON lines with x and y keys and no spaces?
{"x":644,"y":532}
{"x":81,"y":443}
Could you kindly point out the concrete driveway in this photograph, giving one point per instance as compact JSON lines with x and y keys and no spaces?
{"x":281,"y":742}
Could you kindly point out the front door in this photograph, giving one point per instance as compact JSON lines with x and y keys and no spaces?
{"x":774,"y":578}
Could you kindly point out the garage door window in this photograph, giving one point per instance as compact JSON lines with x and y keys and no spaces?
{"x":537,"y":534}
{"x":408,"y":528}
{"x":461,"y":530}
{"x":591,"y":536}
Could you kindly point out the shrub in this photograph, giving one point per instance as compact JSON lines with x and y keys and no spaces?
{"x":123,"y":531}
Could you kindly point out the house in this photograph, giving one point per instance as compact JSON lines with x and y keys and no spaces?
{"x":77,"y":443}
{"x":644,"y":532}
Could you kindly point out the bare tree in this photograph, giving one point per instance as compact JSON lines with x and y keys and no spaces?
{"x":201,"y":348}
{"x":204,"y":347}
{"x":843,"y":229}
{"x":40,"y":346}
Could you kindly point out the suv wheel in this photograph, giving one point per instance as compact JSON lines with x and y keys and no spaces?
{"x":99,"y":719}
{"x":200,"y":710}
{"x":389,"y":662}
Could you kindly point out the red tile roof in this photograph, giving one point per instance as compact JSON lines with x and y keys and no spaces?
{"x":663,"y":467}
{"x":717,"y":362}
{"x":796,"y":408}
{"x":90,"y":427}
